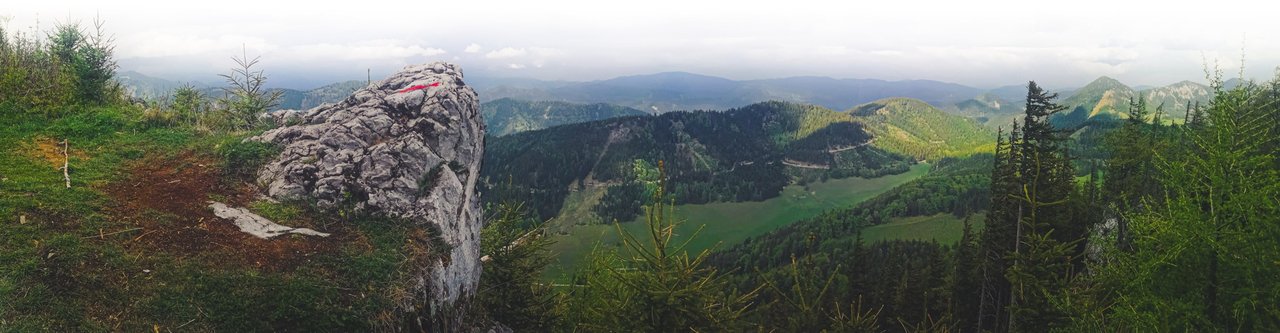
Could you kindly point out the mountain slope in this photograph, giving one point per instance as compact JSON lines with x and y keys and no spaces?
{"x":507,"y":116}
{"x":738,"y":155}
{"x":1172,"y":100}
{"x":1101,"y":100}
{"x":914,"y":128}
{"x":988,"y":109}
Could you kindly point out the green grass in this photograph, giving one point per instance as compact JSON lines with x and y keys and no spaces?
{"x":943,"y":228}
{"x":726,"y":223}
{"x":577,"y":210}
{"x":57,"y":274}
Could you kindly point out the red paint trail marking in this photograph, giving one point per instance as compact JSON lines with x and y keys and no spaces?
{"x":419,"y":87}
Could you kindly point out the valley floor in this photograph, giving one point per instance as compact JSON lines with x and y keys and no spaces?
{"x":726,"y":223}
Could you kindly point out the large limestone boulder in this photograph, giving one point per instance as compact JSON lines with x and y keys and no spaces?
{"x":409,"y":146}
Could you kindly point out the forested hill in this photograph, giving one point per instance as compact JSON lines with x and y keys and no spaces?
{"x":506,"y":116}
{"x":914,"y":128}
{"x":736,"y":155}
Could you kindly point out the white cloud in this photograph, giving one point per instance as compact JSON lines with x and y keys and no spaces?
{"x":375,"y":49}
{"x":506,"y":52}
{"x":546,"y":52}
{"x":515,"y":66}
{"x":942,"y":40}
{"x":153,"y":44}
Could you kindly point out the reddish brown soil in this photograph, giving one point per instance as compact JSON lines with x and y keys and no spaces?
{"x":168,"y":198}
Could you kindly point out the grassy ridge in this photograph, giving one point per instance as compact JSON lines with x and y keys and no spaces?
{"x":131,"y":247}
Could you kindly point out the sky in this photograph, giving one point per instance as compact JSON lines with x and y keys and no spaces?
{"x":978,"y":43}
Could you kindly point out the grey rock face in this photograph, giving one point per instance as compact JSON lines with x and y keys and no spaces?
{"x":409,"y":146}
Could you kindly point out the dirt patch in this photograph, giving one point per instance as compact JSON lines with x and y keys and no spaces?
{"x":50,"y":150}
{"x":168,"y":198}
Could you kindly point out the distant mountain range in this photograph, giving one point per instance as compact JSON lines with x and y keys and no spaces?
{"x":150,"y":88}
{"x":562,"y":102}
{"x":1104,"y":98}
{"x":507,"y":116}
{"x":671,"y":91}
{"x":145,"y":87}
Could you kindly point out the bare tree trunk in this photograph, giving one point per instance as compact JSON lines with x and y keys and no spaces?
{"x":1017,"y":245}
{"x":66,"y":162}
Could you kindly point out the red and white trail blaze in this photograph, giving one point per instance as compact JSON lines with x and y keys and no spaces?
{"x":418,"y":87}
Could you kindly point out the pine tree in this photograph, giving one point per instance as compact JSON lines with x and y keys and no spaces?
{"x":966,"y":279}
{"x":1215,"y":231}
{"x":655,"y":285}
{"x":998,"y":236}
{"x":511,"y":289}
{"x":1032,"y":238}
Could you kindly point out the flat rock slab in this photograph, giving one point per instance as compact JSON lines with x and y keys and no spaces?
{"x":255,"y":225}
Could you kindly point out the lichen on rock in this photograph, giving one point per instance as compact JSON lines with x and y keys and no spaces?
{"x":375,"y":152}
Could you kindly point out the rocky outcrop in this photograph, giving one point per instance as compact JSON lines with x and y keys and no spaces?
{"x":409,"y":146}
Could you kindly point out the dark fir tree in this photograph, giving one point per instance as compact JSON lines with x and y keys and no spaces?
{"x":1031,"y":233}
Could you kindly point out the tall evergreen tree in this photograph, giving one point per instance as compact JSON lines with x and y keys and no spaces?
{"x":1031,"y":234}
{"x":998,"y":236}
{"x":966,"y":279}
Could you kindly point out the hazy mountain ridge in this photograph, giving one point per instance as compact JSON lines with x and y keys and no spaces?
{"x":506,"y":116}
{"x":663,"y":92}
{"x":1101,"y":100}
{"x":142,"y":86}
{"x":146,"y":87}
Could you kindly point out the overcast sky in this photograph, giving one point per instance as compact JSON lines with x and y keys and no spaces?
{"x":983,"y":44}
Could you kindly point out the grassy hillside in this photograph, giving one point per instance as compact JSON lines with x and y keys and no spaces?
{"x":915,"y":128}
{"x":507,"y":116}
{"x":131,"y":246}
{"x":954,"y":187}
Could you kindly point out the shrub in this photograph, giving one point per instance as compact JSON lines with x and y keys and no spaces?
{"x":243,"y":158}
